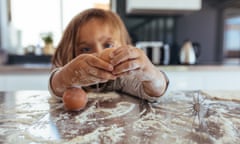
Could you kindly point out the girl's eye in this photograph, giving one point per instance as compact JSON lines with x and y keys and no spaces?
{"x":108,"y":45}
{"x":85,"y":50}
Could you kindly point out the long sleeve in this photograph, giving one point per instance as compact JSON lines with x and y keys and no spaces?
{"x":130,"y":85}
{"x":50,"y":87}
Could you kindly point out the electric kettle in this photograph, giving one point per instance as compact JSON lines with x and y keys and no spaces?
{"x":189,"y":52}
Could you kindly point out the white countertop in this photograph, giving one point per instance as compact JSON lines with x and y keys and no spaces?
{"x":200,"y":68}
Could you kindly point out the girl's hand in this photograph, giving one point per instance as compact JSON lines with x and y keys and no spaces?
{"x":87,"y":69}
{"x":130,"y":60}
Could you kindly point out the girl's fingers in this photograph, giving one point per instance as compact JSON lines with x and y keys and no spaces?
{"x":91,"y":70}
{"x":128,"y":73}
{"x":89,"y":80}
{"x":127,"y":66}
{"x":98,"y":63}
{"x":123,"y":54}
{"x":100,"y":74}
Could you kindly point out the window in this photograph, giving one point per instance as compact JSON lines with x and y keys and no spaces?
{"x":232,"y":38}
{"x":31,"y":18}
{"x":232,"y":34}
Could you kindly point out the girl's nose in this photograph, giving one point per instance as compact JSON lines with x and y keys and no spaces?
{"x":99,"y":49}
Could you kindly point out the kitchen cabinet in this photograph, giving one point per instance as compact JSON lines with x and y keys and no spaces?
{"x":162,"y":6}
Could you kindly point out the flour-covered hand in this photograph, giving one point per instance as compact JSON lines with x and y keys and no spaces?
{"x":129,"y":60}
{"x":87,"y":69}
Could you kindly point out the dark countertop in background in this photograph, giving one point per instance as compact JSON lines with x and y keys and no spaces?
{"x":25,"y":68}
{"x":30,"y":58}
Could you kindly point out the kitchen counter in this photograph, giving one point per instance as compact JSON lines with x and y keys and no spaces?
{"x":178,"y":117}
{"x":24,"y":77}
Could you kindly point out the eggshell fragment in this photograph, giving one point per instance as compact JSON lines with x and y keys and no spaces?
{"x":105,"y":54}
{"x":75,"y":99}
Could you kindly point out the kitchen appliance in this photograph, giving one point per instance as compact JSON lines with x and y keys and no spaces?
{"x":162,"y":6}
{"x":189,"y":52}
{"x":156,"y":51}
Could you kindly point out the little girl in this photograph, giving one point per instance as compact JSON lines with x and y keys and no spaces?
{"x":77,"y":63}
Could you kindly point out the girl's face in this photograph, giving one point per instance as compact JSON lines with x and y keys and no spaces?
{"x":94,"y":36}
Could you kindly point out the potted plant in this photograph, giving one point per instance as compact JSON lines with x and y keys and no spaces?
{"x":48,"y":43}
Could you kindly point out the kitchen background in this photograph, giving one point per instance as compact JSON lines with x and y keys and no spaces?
{"x":31,"y":29}
{"x":214,"y":27}
{"x":212,"y":24}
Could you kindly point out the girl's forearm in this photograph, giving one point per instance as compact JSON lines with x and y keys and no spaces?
{"x":58,"y":82}
{"x":156,"y":86}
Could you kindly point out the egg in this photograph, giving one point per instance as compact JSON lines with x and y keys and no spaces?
{"x":105,"y":54}
{"x":74,"y":99}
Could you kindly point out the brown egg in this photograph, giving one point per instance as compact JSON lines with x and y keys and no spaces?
{"x":105,"y":54}
{"x":74,"y":99}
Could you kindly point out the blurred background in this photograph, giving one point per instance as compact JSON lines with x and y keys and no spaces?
{"x":212,"y":24}
{"x":207,"y":31}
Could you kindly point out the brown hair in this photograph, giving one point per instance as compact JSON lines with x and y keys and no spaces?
{"x":65,"y":51}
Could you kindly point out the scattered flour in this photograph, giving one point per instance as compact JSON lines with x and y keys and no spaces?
{"x":103,"y":96}
{"x":168,"y":121}
{"x":151,"y":120}
{"x":106,"y":135}
{"x":121,"y":109}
